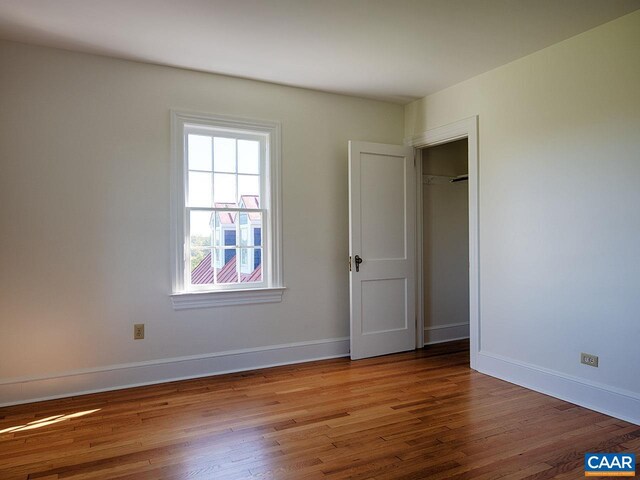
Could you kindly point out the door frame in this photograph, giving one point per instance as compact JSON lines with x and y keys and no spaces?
{"x":465,"y":128}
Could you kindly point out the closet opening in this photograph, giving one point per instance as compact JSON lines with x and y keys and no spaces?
{"x":444,"y":287}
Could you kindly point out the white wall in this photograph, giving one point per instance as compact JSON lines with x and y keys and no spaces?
{"x":559,"y":146}
{"x":445,"y":233}
{"x":84,"y":212}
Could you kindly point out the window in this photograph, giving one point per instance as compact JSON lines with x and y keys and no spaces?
{"x":225,"y":205}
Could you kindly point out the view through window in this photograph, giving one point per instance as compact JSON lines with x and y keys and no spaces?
{"x":225,"y":214}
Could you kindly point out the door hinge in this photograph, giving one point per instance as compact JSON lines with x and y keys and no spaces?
{"x":349,"y":262}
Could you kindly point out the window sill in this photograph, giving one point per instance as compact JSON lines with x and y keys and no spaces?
{"x":190,"y":300}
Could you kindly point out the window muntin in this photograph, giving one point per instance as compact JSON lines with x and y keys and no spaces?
{"x":226,"y":201}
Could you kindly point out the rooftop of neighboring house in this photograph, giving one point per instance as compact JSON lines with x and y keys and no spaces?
{"x":203,"y":273}
{"x":229,"y":218}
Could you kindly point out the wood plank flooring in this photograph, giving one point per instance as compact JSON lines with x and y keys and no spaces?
{"x":414,"y":415}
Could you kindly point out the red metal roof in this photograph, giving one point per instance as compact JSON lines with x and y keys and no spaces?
{"x":246,"y":201}
{"x":226,"y":218}
{"x":251,"y":201}
{"x":203,"y":273}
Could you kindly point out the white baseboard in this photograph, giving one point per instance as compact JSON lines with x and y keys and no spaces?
{"x":601,"y":398}
{"x":15,"y":391}
{"x":446,"y":333}
{"x":611,"y":401}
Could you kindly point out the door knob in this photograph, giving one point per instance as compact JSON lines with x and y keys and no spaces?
{"x":358,"y":262}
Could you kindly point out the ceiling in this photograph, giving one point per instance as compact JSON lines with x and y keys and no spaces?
{"x":393,"y":50}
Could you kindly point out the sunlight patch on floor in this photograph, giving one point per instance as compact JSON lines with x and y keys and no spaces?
{"x":43,"y":422}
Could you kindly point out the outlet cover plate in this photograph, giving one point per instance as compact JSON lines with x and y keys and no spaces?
{"x":588,"y":359}
{"x":138,"y":331}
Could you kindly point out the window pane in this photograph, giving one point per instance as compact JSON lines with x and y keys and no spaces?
{"x":225,"y":225}
{"x":218,"y":258}
{"x":224,"y":258}
{"x":201,"y":232}
{"x":249,"y":190}
{"x":201,"y":266}
{"x":250,"y":229}
{"x":248,"y":156}
{"x":199,"y":152}
{"x":226,"y":268}
{"x":244,"y":236}
{"x":199,"y":189}
{"x":224,"y":187}
{"x":224,"y":154}
{"x":250,"y":265}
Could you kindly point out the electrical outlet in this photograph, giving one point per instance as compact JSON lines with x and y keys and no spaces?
{"x":588,"y":359}
{"x":138,"y":331}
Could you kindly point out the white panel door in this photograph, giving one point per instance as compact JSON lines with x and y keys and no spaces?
{"x":382,"y":203}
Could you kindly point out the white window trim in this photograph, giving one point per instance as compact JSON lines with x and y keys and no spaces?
{"x":274,"y":288}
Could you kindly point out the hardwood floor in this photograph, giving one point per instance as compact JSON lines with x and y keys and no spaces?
{"x":414,"y":415}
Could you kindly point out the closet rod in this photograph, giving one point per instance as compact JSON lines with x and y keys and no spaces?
{"x":460,"y":178}
{"x":442,"y":179}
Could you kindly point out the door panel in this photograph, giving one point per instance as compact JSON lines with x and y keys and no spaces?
{"x":382,"y":232}
{"x":383,"y":305}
